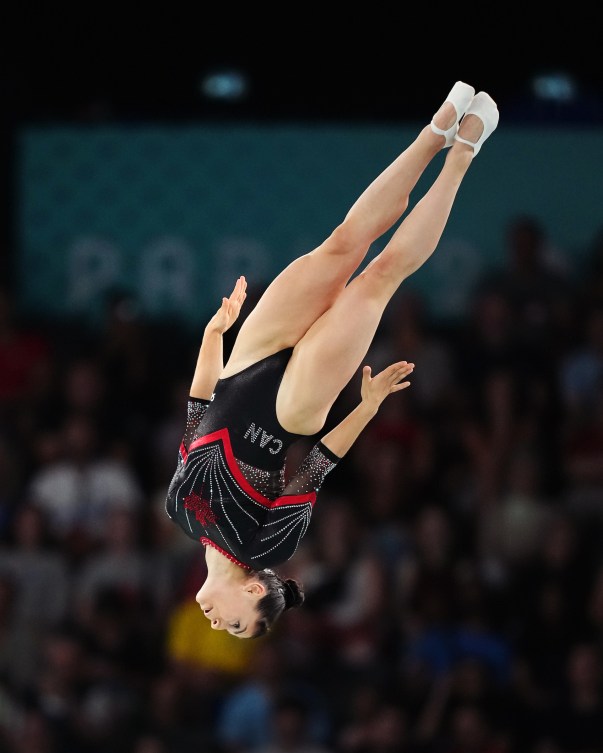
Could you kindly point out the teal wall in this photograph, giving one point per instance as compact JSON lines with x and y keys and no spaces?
{"x":176,"y":213}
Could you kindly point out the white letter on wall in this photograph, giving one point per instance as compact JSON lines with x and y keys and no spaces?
{"x":167,"y":277}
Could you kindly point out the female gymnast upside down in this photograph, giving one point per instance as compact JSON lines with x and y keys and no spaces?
{"x":294,"y":354}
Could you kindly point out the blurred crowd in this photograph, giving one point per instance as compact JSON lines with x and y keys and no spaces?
{"x":457,"y":609}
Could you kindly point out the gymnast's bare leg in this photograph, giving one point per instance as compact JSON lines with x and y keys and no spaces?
{"x":313,"y":306}
{"x":311,"y":284}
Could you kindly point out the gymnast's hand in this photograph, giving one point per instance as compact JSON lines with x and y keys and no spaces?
{"x":375,"y":389}
{"x":229,"y":311}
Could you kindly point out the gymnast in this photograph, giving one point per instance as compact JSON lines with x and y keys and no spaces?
{"x":293,"y":355}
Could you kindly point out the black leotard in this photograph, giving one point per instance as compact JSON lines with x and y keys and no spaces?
{"x":229,"y":487}
{"x":246,"y":403}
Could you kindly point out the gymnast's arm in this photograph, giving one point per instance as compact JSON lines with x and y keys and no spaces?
{"x":326,"y":453}
{"x":210,"y":360}
{"x":374,"y":390}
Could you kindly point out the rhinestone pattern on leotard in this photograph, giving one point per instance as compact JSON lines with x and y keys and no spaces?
{"x":248,"y":513}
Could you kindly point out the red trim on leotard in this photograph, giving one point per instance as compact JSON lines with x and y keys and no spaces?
{"x":208,"y":542}
{"x":298,"y":499}
{"x":183,"y":452}
{"x":223,"y":436}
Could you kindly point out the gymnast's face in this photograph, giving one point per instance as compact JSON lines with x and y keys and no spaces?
{"x":231,"y":606}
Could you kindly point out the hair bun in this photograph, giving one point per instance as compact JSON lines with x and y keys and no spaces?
{"x":293,"y":593}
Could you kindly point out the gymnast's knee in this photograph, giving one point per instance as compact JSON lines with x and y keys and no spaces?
{"x":304,"y":420}
{"x":345,"y":241}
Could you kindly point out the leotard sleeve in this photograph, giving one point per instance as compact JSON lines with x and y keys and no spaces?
{"x":312,"y":471}
{"x":288,"y":516}
{"x":194,"y":413}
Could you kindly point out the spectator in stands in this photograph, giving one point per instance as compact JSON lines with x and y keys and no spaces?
{"x":78,"y":489}
{"x":42,"y":583}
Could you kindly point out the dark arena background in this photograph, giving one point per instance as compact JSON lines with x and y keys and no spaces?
{"x":453,"y":567}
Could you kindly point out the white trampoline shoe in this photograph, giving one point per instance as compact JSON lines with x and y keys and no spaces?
{"x":460,"y":96}
{"x":486,"y":110}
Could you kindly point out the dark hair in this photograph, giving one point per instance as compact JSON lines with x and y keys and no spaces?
{"x":281,"y":594}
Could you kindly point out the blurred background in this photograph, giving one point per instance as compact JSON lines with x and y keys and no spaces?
{"x":453,"y":567}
